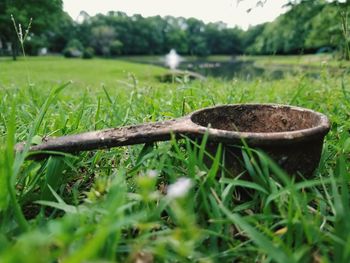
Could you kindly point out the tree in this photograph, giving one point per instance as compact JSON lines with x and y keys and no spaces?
{"x":74,"y":48}
{"x":46,"y":16}
{"x":196,"y":37}
{"x":223,"y":40}
{"x":175,"y":36}
{"x":60,"y":33}
{"x":250,"y":36}
{"x":307,"y":27}
{"x":288,"y":34}
{"x":116,"y":48}
{"x":102,"y":38}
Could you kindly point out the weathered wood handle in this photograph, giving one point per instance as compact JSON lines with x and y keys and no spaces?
{"x":128,"y":135}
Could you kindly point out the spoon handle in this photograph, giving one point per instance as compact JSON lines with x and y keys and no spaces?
{"x":128,"y":135}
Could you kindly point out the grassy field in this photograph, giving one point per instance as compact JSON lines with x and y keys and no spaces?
{"x":116,"y":205}
{"x":57,"y":70}
{"x":321,"y":60}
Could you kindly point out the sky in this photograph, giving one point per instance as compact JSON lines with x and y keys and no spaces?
{"x":228,"y":11}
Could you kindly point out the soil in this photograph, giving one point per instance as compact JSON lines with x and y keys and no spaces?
{"x":256,"y":118}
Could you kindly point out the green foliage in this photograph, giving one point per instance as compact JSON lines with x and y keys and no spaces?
{"x":116,"y":33}
{"x":88,"y":53}
{"x":33,"y":44}
{"x":47,"y":17}
{"x":116,"y":48}
{"x":76,"y":44}
{"x":60,"y":33}
{"x":306,"y":27}
{"x":73,"y":49}
{"x":101,"y":39}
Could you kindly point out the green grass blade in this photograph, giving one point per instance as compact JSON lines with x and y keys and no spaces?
{"x":272,"y":251}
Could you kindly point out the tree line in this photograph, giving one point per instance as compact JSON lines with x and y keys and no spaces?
{"x":308,"y":26}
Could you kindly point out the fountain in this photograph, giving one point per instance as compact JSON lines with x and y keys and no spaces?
{"x":172,"y":59}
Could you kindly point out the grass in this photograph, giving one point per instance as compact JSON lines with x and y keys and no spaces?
{"x":111,"y":205}
{"x":311,"y":61}
{"x":57,"y":70}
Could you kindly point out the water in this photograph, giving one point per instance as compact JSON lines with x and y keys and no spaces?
{"x":227,"y":67}
{"x":172,"y":60}
{"x":234,"y":68}
{"x":223,"y":69}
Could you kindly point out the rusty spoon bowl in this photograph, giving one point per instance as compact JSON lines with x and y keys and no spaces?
{"x":292,"y":136}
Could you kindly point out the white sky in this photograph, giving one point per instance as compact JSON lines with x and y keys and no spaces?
{"x":227,"y":11}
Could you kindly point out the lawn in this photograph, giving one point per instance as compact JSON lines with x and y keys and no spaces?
{"x":116,"y":204}
{"x":55,"y":70}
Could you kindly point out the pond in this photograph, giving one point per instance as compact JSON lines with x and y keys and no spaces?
{"x":232,"y":67}
{"x":229,"y":69}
